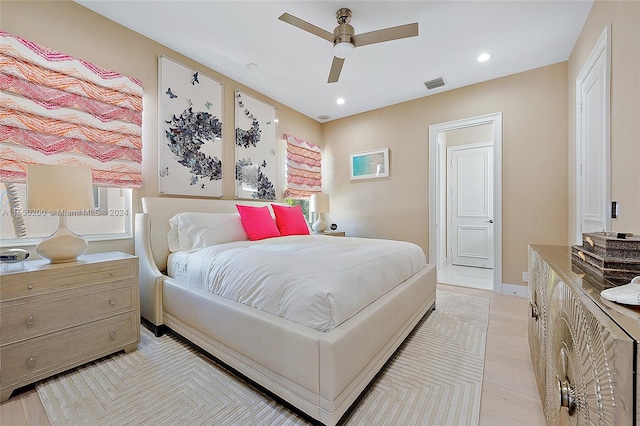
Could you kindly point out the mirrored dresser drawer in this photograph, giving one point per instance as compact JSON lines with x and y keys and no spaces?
{"x":584,"y":348}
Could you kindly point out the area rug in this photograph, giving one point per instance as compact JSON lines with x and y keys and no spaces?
{"x":435,"y":378}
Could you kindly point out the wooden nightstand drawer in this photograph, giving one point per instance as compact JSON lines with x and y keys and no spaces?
{"x":57,"y":316}
{"x":102,"y":272}
{"x":33,"y":316}
{"x":41,"y":357}
{"x":40,"y":276}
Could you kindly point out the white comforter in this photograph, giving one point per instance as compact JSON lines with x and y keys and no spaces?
{"x":318,"y":281}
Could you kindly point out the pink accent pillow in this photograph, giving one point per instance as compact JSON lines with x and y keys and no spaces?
{"x":257,"y":222}
{"x":290,"y":220}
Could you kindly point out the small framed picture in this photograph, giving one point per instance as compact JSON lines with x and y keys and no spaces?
{"x":370,"y":164}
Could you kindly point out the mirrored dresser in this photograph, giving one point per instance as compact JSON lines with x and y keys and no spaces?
{"x":584,"y":348}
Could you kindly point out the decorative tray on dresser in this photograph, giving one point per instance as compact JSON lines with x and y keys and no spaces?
{"x":584,"y":348}
{"x":54,"y":317}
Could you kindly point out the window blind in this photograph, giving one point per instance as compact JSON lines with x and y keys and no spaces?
{"x":304,"y":168}
{"x":57,"y":109}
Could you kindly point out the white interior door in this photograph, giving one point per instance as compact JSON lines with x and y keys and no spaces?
{"x":471,"y":205}
{"x":592,"y":105}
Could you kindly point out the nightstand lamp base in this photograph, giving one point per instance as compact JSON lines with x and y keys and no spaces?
{"x":319,"y":226}
{"x":63,"y":245}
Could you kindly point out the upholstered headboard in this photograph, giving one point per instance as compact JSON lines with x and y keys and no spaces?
{"x":152,"y":246}
{"x":160,"y":209}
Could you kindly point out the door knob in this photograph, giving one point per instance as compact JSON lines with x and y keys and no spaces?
{"x":490,"y":221}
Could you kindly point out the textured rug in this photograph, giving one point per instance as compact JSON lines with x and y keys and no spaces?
{"x":435,"y":378}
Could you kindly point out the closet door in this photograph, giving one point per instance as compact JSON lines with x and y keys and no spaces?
{"x":471,"y":185}
{"x":593,"y":140}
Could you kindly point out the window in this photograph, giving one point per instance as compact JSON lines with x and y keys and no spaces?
{"x":304,"y":204}
{"x":303,"y":166}
{"x":110,"y":219}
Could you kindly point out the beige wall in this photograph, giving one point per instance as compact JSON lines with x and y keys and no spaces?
{"x":534,"y":167}
{"x":537,"y":106}
{"x":75,"y":30}
{"x":624,"y":18}
{"x":467,"y":135}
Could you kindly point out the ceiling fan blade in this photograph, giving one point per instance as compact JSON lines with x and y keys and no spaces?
{"x":336,"y":67}
{"x":304,"y":25}
{"x":393,"y":33}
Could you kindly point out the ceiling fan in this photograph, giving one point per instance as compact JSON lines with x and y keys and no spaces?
{"x":344,"y":38}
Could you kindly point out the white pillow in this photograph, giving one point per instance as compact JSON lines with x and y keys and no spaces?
{"x":172,"y":236}
{"x":197,"y":230}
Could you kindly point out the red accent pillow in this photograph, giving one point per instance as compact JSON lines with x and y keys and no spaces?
{"x":290,"y":220}
{"x":257,"y":222}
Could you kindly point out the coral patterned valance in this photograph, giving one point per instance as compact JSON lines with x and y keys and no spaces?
{"x":304,"y":168}
{"x":57,"y":109}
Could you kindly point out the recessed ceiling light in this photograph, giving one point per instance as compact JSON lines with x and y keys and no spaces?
{"x":323,"y":117}
{"x":252,"y":66}
{"x":484,"y":57}
{"x":340,"y":101}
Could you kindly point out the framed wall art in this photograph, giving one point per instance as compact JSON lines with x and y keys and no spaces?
{"x":370,"y":164}
{"x":190,"y":135}
{"x":255,"y":148}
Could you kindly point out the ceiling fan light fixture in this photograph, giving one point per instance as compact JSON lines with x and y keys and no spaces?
{"x":344,"y":38}
{"x":343,"y":49}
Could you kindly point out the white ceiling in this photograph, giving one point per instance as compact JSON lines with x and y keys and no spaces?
{"x":293,"y":65}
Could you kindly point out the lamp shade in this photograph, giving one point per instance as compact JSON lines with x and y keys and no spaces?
{"x":60,"y":189}
{"x":53,"y":187}
{"x":319,"y":203}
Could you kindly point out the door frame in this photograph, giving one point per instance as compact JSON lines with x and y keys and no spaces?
{"x":437,"y":158}
{"x":602,"y":47}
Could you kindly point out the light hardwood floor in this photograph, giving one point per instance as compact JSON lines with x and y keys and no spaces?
{"x":509,"y":393}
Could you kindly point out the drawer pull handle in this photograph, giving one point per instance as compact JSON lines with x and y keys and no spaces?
{"x":31,"y":362}
{"x":535,"y":313}
{"x":111,"y":273}
{"x":30,"y":287}
{"x":590,"y":241}
{"x":113,"y":335}
{"x":567,"y":395}
{"x":31,"y":321}
{"x":582,"y":256}
{"x":112,"y":301}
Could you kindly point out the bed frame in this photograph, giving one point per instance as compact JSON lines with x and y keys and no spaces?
{"x":321,"y":374}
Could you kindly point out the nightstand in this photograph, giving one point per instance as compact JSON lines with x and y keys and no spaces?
{"x":54,"y":317}
{"x":334,"y":233}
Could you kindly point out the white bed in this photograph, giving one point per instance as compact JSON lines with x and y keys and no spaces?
{"x":321,"y":373}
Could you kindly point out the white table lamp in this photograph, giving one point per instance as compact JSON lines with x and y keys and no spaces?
{"x":319,"y":204}
{"x":60,"y":189}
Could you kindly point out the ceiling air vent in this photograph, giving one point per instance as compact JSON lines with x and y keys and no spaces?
{"x":435,"y":83}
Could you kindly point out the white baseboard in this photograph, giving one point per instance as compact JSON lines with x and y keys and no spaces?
{"x":515,"y":290}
